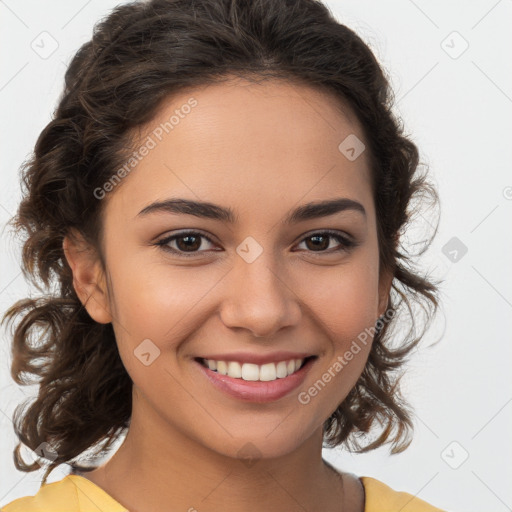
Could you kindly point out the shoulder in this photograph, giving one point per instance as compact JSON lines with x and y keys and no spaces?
{"x":54,"y":497}
{"x":381,"y":498}
{"x":70,"y":494}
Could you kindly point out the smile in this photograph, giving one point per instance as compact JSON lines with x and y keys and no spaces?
{"x":250,"y":385}
{"x":253,"y":372}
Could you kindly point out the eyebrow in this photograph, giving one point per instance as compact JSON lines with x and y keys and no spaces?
{"x":208,"y":210}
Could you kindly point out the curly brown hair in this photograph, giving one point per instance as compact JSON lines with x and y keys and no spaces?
{"x":138,"y":56}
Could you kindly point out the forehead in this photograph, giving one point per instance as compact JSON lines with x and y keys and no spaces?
{"x":274,"y":139}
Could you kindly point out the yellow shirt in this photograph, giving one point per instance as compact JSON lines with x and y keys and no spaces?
{"x":75,"y":493}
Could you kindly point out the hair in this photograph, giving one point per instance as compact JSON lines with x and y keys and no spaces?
{"x":139,"y":55}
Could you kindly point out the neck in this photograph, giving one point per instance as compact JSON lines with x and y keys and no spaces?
{"x":163,"y":466}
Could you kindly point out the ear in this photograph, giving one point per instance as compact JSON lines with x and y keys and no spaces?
{"x":385,"y":281}
{"x":88,"y":277}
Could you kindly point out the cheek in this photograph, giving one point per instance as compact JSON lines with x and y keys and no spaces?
{"x":156,"y":302}
{"x":343,"y":302}
{"x":344,"y":299}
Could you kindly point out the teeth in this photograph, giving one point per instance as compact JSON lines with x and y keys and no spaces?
{"x":233,"y":370}
{"x":253,"y":372}
{"x":282,"y":369}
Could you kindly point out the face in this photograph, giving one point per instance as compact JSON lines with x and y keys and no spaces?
{"x":259,"y":283}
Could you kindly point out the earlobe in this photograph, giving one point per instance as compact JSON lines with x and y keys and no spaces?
{"x":88,"y":277}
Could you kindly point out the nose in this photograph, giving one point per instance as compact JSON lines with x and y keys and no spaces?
{"x":259,"y":298}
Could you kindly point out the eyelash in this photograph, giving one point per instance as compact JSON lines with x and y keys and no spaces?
{"x":346,"y":243}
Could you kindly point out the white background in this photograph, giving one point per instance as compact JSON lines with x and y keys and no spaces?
{"x":458,"y":111}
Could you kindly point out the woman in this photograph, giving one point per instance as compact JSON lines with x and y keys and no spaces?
{"x":219,"y":199}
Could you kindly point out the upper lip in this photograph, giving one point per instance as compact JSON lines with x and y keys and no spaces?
{"x":259,"y":359}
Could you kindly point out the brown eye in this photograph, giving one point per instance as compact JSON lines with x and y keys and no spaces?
{"x":319,"y":242}
{"x":186,"y":242}
{"x":190,"y":242}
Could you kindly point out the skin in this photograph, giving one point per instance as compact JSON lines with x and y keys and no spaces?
{"x":261,"y":150}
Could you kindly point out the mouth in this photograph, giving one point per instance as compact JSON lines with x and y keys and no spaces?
{"x":253,"y":372}
{"x":249,"y":382}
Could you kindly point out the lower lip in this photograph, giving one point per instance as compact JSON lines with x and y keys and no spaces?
{"x":257,"y":391}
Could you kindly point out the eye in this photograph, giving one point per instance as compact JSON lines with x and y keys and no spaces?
{"x":321,"y":241}
{"x":186,"y":242}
